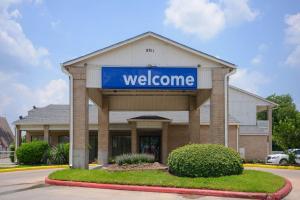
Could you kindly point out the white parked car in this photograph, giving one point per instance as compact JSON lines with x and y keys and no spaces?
{"x":282,"y":158}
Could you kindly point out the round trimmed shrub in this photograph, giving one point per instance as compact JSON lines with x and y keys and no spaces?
{"x":32,"y":153}
{"x":204,"y":160}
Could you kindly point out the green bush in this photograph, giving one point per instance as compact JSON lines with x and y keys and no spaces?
{"x":32,"y":153}
{"x":204,"y":160}
{"x":292,"y":158}
{"x":12,"y":153}
{"x":59,"y":154}
{"x":134,"y":159}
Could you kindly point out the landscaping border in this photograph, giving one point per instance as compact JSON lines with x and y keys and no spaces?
{"x":16,"y":169}
{"x":272,"y":166}
{"x":284,"y":191}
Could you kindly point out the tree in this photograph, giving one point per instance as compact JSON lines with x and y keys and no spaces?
{"x":286,"y":122}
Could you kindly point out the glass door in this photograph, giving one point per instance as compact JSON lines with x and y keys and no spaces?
{"x":150,"y":145}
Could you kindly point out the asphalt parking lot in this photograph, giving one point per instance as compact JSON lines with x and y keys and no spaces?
{"x":30,"y":185}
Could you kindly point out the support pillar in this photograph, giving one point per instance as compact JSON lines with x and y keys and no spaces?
{"x":194,"y":121}
{"x":165,"y":126}
{"x":80,"y":156}
{"x":18,"y":140}
{"x":28,"y":136}
{"x":270,"y":119}
{"x":18,"y":137}
{"x":134,"y":148}
{"x":217,"y":107}
{"x":103,"y":132}
{"x":46,"y":134}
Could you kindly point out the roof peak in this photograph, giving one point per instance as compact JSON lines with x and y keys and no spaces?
{"x":155,"y":35}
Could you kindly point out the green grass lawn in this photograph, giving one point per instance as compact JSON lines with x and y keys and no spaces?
{"x":249,"y":181}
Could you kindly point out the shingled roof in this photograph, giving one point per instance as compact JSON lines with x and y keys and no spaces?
{"x":6,"y":135}
{"x":59,"y":115}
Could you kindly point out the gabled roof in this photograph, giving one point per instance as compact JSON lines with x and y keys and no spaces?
{"x":157,"y":36}
{"x":149,"y":117}
{"x":272,"y":104}
{"x":59,"y":115}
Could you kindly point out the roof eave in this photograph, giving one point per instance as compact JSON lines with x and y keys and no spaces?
{"x":272,"y":104}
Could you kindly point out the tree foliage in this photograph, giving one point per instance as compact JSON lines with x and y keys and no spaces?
{"x":286,"y":122}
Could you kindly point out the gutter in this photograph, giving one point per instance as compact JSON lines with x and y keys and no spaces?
{"x":226,"y":80}
{"x":71,"y":113}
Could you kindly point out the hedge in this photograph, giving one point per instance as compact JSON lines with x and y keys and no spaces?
{"x":32,"y":153}
{"x":204,"y":160}
{"x":134,"y":159}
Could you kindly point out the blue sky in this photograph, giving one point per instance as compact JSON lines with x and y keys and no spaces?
{"x":261,"y":37}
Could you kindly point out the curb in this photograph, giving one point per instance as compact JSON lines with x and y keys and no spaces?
{"x":284,"y":191}
{"x":272,"y":166}
{"x":15,"y":169}
{"x":32,"y":168}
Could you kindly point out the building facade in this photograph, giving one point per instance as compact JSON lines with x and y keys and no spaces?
{"x":6,"y":135}
{"x":151,"y":95}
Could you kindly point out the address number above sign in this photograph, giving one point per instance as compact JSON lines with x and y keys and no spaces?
{"x":168,"y":78}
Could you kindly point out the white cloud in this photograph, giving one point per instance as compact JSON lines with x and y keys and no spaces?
{"x":206,"y":18}
{"x":258,"y":58}
{"x":55,"y":24}
{"x":293,"y":38}
{"x":249,"y":80}
{"x":17,"y":98}
{"x":13,"y":41}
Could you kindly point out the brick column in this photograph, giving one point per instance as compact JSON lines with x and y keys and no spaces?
{"x":46,"y":134}
{"x":18,"y":140}
{"x":164,"y":137}
{"x":217,"y":107}
{"x":194,"y":121}
{"x":28,"y":136}
{"x":270,"y":129}
{"x":134,"y":147}
{"x":18,"y":137}
{"x":80,"y":118}
{"x":103,"y":131}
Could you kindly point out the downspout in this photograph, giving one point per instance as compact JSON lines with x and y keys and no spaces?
{"x":71,"y":114}
{"x":226,"y":80}
{"x":237,"y":137}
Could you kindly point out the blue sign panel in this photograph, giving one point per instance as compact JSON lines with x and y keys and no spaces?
{"x":168,"y":78}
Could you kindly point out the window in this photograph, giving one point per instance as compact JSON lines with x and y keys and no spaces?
{"x":37,"y":137}
{"x":297,"y":152}
{"x":62,"y":139}
{"x":121,"y":144}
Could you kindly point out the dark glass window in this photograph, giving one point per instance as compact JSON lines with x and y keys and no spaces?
{"x":151,"y":145}
{"x":37,"y":137}
{"x":121,"y":144}
{"x":297,"y":152}
{"x":62,"y":139}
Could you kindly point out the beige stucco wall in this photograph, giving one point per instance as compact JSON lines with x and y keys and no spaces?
{"x":256,"y":146}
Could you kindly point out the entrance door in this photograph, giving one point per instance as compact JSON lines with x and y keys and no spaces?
{"x":151,"y":145}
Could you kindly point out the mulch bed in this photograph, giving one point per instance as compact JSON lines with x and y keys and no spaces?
{"x":142,"y":166}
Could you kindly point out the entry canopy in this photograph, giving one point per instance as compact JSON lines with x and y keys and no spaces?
{"x":149,"y":118}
